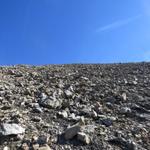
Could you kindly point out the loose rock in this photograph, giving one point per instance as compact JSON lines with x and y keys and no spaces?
{"x":11,"y":129}
{"x":72,"y":131}
{"x":83,"y":138}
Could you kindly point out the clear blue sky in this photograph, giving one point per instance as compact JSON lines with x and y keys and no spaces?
{"x":74,"y":31}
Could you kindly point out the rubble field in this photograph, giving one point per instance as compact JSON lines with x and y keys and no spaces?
{"x":75,"y":107}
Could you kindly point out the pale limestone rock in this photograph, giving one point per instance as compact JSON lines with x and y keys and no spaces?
{"x":11,"y":129}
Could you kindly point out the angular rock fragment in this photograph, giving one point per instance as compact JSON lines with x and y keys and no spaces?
{"x":36,"y":119}
{"x":25,"y":146}
{"x":124,"y":96}
{"x":42,"y":139}
{"x":11,"y":129}
{"x":45,"y":147}
{"x":72,"y":131}
{"x":68,"y":93}
{"x":83,"y":138}
{"x":63,"y":114}
{"x":43,"y":96}
{"x":35,"y":146}
{"x":37,"y":108}
{"x":107,"y":122}
{"x":125,"y":110}
{"x":51,"y":103}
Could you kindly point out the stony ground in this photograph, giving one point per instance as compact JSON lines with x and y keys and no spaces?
{"x":80,"y":107}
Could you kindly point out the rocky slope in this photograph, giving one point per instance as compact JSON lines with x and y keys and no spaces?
{"x":103,"y":107}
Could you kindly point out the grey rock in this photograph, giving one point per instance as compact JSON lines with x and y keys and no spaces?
{"x":11,"y":129}
{"x":37,"y":108}
{"x":72,"y":131}
{"x":125,"y":110}
{"x":107,"y":122}
{"x":63,"y":114}
{"x":124,"y":96}
{"x":83,"y":138}
{"x":35,"y":146}
{"x":43,"y":96}
{"x":36,"y":119}
{"x":25,"y":146}
{"x":94,"y":114}
{"x":68,"y":93}
{"x":45,"y":147}
{"x":51,"y":103}
{"x":42,"y":139}
{"x":86,"y":111}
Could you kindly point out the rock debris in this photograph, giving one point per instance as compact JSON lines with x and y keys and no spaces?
{"x":92,"y":106}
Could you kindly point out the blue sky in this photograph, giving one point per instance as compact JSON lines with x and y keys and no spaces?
{"x":74,"y":31}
